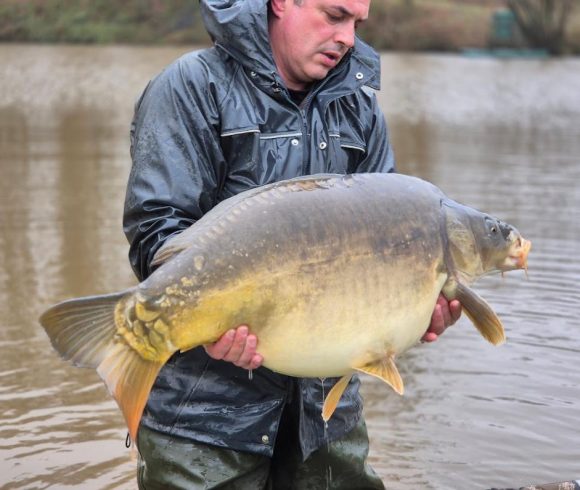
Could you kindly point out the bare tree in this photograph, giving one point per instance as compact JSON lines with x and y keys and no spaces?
{"x":543,"y":22}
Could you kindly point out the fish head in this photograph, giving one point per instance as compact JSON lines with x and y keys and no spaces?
{"x":480,"y":244}
{"x":502,"y":246}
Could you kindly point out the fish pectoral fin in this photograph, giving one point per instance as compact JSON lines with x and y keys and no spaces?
{"x":385,"y":369}
{"x":480,"y":313}
{"x":334,"y":396}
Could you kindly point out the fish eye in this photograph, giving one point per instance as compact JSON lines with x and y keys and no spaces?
{"x":493,"y":227}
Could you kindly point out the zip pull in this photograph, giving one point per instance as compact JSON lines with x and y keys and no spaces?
{"x":275,"y":85}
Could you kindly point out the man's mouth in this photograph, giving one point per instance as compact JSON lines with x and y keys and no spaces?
{"x":331,"y":57}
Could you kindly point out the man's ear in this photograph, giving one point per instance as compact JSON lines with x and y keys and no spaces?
{"x":278,"y":7}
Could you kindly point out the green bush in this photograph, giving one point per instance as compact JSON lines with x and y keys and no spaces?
{"x":409,"y":25}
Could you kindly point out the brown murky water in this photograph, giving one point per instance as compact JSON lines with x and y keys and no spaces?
{"x":503,"y":136}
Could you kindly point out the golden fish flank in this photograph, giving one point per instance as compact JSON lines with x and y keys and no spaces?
{"x":334,"y":274}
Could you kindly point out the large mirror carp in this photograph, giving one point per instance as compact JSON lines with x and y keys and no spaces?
{"x":334,"y":274}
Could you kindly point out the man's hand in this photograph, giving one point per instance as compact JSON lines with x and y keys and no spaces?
{"x":445,"y":314}
{"x":237,"y":346}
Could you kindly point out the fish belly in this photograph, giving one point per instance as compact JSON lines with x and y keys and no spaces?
{"x":347,"y":322}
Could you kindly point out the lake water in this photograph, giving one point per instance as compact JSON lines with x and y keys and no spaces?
{"x":500,"y":135}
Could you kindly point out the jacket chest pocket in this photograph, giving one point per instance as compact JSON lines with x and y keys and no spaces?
{"x":346,"y":138}
{"x":256,"y":158}
{"x":281,"y":155}
{"x":346,"y":153}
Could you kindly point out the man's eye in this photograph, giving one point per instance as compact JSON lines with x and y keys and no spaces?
{"x":334,"y":18}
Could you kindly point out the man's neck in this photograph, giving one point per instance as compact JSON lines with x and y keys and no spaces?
{"x":298,"y":96}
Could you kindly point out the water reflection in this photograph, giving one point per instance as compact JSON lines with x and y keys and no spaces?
{"x":491,"y":134}
{"x":55,"y":242}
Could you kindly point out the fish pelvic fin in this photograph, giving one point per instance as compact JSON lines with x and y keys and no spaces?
{"x":385,"y":369}
{"x":83,"y":331}
{"x":481,"y":315}
{"x":334,"y":396}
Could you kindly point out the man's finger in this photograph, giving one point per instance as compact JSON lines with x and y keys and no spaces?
{"x":256,"y":361}
{"x":455,"y":309}
{"x":437,"y":320}
{"x":219,"y":349}
{"x":446,"y":317}
{"x":249,"y":350}
{"x":429,"y":337}
{"x":238,"y":345}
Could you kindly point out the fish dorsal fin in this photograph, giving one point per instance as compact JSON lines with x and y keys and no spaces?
{"x":385,"y":369}
{"x":183,"y":240}
{"x":334,"y":396}
{"x":480,"y":313}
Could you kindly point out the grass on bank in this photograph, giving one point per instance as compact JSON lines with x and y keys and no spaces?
{"x":403,"y":25}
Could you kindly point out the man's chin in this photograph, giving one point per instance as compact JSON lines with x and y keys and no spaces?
{"x":319,"y":74}
{"x":313,"y":76}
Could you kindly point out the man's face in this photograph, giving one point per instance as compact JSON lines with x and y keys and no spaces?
{"x":309,"y":39}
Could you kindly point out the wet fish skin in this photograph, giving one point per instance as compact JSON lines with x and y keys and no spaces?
{"x":333,"y":274}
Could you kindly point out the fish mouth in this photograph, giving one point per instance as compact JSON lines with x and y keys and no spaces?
{"x":518,"y":256}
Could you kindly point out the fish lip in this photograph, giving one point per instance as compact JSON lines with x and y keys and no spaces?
{"x":519,"y":259}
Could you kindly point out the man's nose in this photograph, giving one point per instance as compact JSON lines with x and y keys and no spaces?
{"x":345,"y":35}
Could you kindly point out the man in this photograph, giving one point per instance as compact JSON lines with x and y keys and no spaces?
{"x":284,"y":92}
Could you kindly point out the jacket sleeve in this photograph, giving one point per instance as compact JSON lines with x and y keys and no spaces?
{"x":379,"y":155}
{"x":178,"y":167}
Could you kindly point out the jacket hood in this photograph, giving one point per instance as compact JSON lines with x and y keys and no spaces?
{"x":241,"y":28}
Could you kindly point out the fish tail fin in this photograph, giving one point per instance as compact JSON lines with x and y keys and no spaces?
{"x":84,"y":331}
{"x":129,"y":378}
{"x":481,"y":315}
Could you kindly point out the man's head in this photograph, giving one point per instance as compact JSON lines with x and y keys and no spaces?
{"x":310,"y":37}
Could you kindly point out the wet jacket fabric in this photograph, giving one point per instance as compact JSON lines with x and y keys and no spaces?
{"x":214,"y":123}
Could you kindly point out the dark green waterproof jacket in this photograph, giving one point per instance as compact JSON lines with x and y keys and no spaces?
{"x":214,"y":123}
